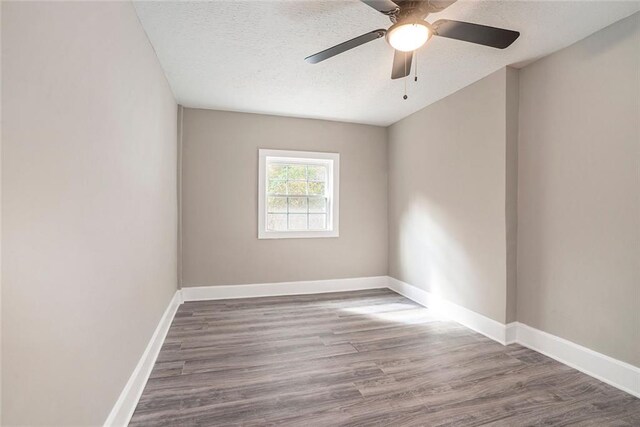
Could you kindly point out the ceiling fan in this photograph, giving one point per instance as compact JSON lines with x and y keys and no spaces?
{"x":410,"y":31}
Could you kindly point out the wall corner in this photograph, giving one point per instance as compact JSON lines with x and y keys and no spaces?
{"x":511,"y":189}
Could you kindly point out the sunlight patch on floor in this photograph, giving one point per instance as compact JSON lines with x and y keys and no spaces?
{"x":396,"y":312}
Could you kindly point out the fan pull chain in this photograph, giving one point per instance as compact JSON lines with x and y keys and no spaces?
{"x":405,"y":78}
{"x":415,"y":78}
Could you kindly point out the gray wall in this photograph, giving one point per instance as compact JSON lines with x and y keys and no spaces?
{"x":88,"y":207}
{"x":447,"y":187}
{"x":219,"y":200}
{"x":0,"y":219}
{"x":579,"y":193}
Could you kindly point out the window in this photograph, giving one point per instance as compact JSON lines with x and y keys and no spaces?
{"x":297,"y":194}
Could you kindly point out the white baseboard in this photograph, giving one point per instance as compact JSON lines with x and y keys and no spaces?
{"x":614,"y":372}
{"x":472,"y":320}
{"x":123,"y":409}
{"x":511,"y":333}
{"x":201,"y":293}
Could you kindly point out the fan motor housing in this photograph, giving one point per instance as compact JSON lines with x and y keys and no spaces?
{"x":412,"y":10}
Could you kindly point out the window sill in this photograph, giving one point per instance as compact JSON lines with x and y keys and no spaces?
{"x":297,"y":234}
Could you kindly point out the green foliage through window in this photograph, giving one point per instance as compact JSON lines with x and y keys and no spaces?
{"x":296,"y":197}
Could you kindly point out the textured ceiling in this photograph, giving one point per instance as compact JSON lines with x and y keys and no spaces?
{"x":248,"y":55}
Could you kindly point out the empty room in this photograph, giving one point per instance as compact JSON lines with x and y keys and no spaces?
{"x":320,"y":213}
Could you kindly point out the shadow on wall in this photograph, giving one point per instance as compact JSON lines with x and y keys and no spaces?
{"x":430,"y":256}
{"x":601,"y":45}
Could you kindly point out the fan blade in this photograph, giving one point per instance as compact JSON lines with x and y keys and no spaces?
{"x":401,"y":64}
{"x":383,"y":6}
{"x":474,"y":33}
{"x":345,"y":46}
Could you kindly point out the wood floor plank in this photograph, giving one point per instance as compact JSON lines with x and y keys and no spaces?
{"x":365,"y":358}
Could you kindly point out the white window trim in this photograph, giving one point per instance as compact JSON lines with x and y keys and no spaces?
{"x":333,"y":181}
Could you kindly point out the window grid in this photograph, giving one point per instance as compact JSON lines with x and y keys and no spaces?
{"x":308,"y":197}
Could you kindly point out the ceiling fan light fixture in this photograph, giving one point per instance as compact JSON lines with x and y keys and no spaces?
{"x":408,"y":36}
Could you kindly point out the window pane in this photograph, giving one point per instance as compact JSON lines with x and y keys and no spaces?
{"x":297,"y":187}
{"x":316,"y":188}
{"x":277,"y":187}
{"x":317,"y":173}
{"x":317,"y":222}
{"x":297,"y":222}
{"x":277,"y":171}
{"x":297,"y":205}
{"x":277,"y":222}
{"x":317,"y":204}
{"x":297,"y":172}
{"x":277,"y":204}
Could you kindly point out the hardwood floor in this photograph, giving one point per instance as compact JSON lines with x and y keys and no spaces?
{"x":359,"y":359}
